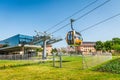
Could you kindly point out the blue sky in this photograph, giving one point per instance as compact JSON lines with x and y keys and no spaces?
{"x":25,"y":16}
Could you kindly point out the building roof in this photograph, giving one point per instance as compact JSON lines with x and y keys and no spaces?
{"x":18,"y":47}
{"x":88,"y":44}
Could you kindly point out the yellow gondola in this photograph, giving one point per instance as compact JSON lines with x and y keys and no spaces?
{"x":74,"y":38}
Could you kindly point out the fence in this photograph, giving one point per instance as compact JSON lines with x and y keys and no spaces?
{"x":17,"y":56}
{"x":96,"y":59}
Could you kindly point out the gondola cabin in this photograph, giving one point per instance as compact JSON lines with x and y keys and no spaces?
{"x":74,"y":38}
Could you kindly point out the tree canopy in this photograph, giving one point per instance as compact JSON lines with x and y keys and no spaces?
{"x":113,"y":44}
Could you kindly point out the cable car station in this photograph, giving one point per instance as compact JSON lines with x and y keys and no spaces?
{"x":23,"y":44}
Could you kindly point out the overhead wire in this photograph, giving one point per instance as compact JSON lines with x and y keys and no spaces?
{"x":92,"y":10}
{"x":52,"y":27}
{"x":81,"y":16}
{"x":60,"y":28}
{"x":100,"y":22}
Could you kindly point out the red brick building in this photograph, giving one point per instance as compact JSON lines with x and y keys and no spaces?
{"x":86,"y":47}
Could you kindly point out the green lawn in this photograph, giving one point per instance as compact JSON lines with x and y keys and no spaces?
{"x":72,"y":70}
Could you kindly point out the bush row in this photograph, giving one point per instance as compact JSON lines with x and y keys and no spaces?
{"x":112,"y":66}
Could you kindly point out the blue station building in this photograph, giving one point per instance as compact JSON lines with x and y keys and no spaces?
{"x":18,"y":44}
{"x":23,"y":45}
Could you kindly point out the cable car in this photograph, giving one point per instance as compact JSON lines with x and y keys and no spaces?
{"x":73,"y":38}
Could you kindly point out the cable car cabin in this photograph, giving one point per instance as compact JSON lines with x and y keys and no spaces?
{"x":74,"y":38}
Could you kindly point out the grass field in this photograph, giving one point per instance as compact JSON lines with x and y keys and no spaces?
{"x":71,"y":70}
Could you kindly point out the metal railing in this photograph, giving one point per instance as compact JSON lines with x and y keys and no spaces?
{"x":17,"y":56}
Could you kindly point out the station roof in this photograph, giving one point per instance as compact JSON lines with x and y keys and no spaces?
{"x":18,"y":47}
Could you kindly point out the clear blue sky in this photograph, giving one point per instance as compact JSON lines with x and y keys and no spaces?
{"x":25,"y":16}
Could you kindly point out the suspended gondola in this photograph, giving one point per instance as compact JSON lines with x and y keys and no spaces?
{"x":73,"y":38}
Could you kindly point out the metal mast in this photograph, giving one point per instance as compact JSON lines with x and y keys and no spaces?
{"x":46,"y":39}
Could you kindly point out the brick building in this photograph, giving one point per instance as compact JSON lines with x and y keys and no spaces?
{"x":48,"y":49}
{"x":87,"y":47}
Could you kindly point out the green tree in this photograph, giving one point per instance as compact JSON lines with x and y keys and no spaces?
{"x":116,"y":47}
{"x":99,"y":45}
{"x":54,"y":50}
{"x":39,"y":49}
{"x":116,"y":44}
{"x":116,"y":41}
{"x":108,"y":45}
